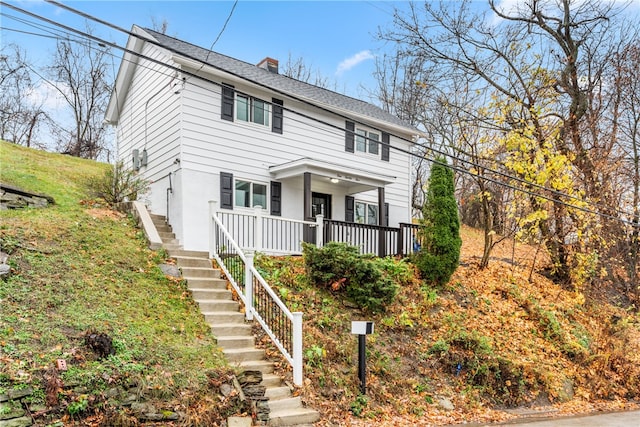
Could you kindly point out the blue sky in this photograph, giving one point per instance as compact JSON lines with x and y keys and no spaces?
{"x":334,"y":38}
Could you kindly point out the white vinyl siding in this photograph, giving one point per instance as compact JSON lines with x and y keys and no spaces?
{"x":188,"y":141}
{"x":213,"y":145}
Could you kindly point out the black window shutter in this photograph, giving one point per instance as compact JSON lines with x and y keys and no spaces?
{"x":385,"y":146}
{"x":227,"y":102}
{"x":349,"y":208}
{"x":386,"y":215}
{"x":277,"y":122}
{"x":276,"y":198}
{"x":226,"y":190}
{"x":349,"y":136}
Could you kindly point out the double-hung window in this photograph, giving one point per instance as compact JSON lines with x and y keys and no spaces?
{"x":367,"y":142}
{"x":366,"y":213}
{"x":250,"y":194}
{"x":254,"y":110}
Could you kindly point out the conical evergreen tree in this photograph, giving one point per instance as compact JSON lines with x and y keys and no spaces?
{"x":440,"y":252}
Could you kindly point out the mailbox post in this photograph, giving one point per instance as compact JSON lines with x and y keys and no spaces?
{"x":362,"y":329}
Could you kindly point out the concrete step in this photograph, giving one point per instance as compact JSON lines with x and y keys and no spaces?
{"x":218,"y":305}
{"x":198,"y":272}
{"x":208,"y":298}
{"x":187,"y":261}
{"x":177,"y":252}
{"x":285,"y":404}
{"x":293,"y":417}
{"x":256,"y":365}
{"x":164,"y":235}
{"x":238,"y":341}
{"x":271,"y":380}
{"x":172,"y":242}
{"x":231,"y":329}
{"x":172,"y":248}
{"x":223,"y":317}
{"x":162,"y":228}
{"x":276,"y":393}
{"x":204,"y":283}
{"x":246,"y":354}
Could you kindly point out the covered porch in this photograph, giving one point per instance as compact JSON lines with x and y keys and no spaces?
{"x":275,"y":235}
{"x":330,"y":190}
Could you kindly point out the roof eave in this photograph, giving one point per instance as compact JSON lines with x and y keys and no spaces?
{"x":126,"y":71}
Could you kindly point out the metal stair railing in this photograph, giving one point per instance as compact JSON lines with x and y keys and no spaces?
{"x":261,"y":302}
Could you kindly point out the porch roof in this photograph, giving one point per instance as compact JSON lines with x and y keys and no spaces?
{"x":344,"y":175}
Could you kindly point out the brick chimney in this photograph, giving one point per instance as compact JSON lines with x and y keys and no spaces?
{"x":269,"y":64}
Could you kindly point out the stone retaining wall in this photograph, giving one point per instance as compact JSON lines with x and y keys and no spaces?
{"x":12,"y":404}
{"x":15,"y":198}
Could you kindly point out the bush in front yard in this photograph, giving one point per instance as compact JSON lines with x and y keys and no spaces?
{"x":117,"y":184}
{"x":440,"y":236}
{"x":340,"y":268}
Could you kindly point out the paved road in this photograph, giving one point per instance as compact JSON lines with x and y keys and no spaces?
{"x":612,"y":419}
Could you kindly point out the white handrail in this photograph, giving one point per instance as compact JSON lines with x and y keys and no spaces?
{"x":294,"y":359}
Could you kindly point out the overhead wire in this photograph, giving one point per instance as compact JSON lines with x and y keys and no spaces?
{"x":338,"y":128}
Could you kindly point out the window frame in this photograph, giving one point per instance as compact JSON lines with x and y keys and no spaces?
{"x":250,"y":103}
{"x":364,"y":136}
{"x":367,"y":206}
{"x":251,"y":193}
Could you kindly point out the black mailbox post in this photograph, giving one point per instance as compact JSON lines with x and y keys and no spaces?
{"x":362,"y":329}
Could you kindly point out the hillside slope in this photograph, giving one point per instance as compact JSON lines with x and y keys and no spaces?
{"x":86,"y":291}
{"x":492,"y":345}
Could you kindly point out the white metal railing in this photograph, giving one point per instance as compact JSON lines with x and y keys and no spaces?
{"x":260,"y":301}
{"x":269,"y":234}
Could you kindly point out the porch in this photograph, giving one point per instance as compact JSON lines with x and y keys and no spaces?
{"x":275,"y":235}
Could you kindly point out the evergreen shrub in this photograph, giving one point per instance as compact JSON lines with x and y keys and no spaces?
{"x":440,"y":251}
{"x":339,"y":268}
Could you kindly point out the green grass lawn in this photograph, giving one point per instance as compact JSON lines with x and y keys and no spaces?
{"x":79,"y":267}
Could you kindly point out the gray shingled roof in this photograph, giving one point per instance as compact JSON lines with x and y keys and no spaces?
{"x":293,"y":87}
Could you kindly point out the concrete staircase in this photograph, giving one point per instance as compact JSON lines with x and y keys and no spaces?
{"x":230,"y":329}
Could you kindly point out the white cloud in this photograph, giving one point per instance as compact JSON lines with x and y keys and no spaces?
{"x":351,"y":62}
{"x":46,"y":96}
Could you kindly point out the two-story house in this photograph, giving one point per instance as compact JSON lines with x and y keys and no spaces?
{"x":202,"y":126}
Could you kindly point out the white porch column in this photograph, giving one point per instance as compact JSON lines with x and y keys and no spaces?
{"x":248,"y":284}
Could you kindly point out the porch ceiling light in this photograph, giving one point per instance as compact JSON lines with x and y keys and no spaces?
{"x":335,"y":180}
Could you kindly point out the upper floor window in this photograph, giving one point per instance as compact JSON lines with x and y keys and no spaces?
{"x":250,"y":194}
{"x":367,"y":142}
{"x":366,"y":213}
{"x":246,"y":108}
{"x":360,"y":140}
{"x":250,"y":109}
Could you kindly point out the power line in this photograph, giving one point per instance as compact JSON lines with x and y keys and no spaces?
{"x":340,"y":129}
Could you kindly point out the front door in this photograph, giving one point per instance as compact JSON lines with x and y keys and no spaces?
{"x":321,"y":205}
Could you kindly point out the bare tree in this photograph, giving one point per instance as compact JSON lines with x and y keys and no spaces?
{"x":298,"y":69}
{"x":411,"y":88}
{"x":159,"y":26}
{"x":20,"y":115}
{"x":80,"y":74}
{"x":543,"y":64}
{"x":628,"y":82}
